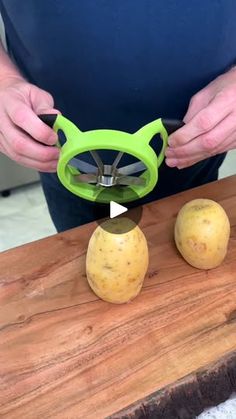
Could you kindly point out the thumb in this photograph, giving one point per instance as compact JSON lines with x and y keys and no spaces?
{"x":42,"y":101}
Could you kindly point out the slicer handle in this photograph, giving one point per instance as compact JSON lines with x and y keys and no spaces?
{"x":172,"y":125}
{"x":48,"y":119}
{"x":58,"y":122}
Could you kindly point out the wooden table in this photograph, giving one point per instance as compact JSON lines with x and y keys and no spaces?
{"x":66,"y":354}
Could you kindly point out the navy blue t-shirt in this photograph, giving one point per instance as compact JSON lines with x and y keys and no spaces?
{"x":121,"y":64}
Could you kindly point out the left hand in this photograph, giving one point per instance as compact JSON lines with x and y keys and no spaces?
{"x":210,"y":124}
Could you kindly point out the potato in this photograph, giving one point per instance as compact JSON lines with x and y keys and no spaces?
{"x":117,"y":261}
{"x":202,"y":232}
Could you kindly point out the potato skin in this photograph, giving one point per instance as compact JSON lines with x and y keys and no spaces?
{"x":116,"y":264}
{"x":202,"y":231}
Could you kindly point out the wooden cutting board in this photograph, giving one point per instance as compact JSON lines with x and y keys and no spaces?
{"x":66,"y":354}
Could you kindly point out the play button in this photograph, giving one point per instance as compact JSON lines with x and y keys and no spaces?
{"x":116,"y":209}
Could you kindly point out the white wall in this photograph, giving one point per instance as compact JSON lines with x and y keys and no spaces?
{"x":2,"y":33}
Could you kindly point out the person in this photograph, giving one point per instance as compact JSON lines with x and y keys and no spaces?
{"x":119,"y":65}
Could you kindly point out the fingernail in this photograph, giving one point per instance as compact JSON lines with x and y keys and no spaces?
{"x":171,"y":162}
{"x":169,"y":152}
{"x":54,"y":165}
{"x":171,"y":143}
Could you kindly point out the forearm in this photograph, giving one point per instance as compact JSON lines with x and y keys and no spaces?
{"x":7,"y":68}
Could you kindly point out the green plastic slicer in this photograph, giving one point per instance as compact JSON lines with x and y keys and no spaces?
{"x":122,"y":183}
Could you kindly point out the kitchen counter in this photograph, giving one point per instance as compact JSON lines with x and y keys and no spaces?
{"x":66,"y":354}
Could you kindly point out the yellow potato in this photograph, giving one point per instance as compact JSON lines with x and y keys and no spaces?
{"x":116,"y":263}
{"x":202,"y":232}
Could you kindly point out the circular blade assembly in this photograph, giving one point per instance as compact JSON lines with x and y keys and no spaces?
{"x":108,"y":175}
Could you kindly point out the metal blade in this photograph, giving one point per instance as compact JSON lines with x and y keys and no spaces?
{"x":98,"y":161}
{"x":86,"y":178}
{"x":116,"y":161}
{"x":83,"y":166}
{"x":130,"y":180}
{"x":132,"y":168}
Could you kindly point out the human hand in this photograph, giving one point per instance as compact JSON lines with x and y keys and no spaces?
{"x":210,"y":124}
{"x":23,"y":136}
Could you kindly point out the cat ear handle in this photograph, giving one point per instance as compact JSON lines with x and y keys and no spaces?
{"x":172,"y":125}
{"x":48,"y":119}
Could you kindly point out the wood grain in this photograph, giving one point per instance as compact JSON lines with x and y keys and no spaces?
{"x":66,"y":354}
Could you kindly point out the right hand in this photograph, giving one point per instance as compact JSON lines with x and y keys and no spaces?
{"x":23,"y":136}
